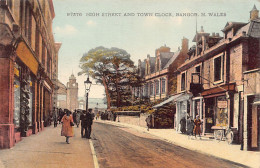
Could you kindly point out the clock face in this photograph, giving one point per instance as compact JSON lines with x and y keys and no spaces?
{"x":73,"y":84}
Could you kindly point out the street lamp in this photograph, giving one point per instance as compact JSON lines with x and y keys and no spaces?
{"x":87,"y":89}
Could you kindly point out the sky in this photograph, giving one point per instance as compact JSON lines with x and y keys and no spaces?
{"x":86,"y":24}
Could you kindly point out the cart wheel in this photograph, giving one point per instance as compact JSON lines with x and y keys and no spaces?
{"x":230,"y":137}
{"x":218,"y":134}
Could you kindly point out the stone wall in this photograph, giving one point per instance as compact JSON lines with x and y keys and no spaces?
{"x":134,"y":120}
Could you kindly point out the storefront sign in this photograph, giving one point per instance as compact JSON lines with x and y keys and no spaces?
{"x":222,"y":104}
{"x":26,"y":56}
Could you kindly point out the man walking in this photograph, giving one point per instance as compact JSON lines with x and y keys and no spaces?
{"x":89,"y":122}
{"x":83,"y":118}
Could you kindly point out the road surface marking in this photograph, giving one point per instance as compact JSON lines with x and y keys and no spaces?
{"x":93,"y":154}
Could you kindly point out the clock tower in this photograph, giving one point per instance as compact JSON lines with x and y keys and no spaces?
{"x":72,"y":93}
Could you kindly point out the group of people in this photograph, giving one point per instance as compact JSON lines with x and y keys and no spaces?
{"x":68,"y":120}
{"x":57,"y":114}
{"x":193,"y":126}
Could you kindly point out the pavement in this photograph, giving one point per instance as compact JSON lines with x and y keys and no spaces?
{"x":205,"y":145}
{"x":47,"y":149}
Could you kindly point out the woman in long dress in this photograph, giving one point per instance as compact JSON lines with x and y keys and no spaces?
{"x":67,"y":129}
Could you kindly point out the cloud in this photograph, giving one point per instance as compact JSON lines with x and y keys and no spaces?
{"x":91,"y":23}
{"x":66,"y":30}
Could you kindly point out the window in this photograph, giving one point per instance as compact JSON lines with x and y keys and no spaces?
{"x":157,"y":87}
{"x":151,"y":89}
{"x":163,"y":86}
{"x":218,"y":68}
{"x":183,"y":81}
{"x":197,"y":79}
{"x":146,"y":90}
{"x":48,"y":62}
{"x":37,"y":41}
{"x":43,"y":53}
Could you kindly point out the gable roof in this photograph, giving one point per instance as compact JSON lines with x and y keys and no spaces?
{"x":173,"y":57}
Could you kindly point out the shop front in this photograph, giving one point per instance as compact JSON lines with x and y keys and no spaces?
{"x":183,"y":104}
{"x":218,"y":109}
{"x":253,"y":122}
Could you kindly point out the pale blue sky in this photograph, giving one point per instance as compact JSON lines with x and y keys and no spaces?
{"x":139,"y":36}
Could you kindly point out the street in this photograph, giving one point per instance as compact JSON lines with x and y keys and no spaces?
{"x":118,"y":146}
{"x":115,"y":147}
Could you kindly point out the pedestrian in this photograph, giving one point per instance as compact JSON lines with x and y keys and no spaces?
{"x":78,"y":118}
{"x":55,"y":117}
{"x":61,"y":114}
{"x":67,"y":123}
{"x":74,"y":116}
{"x":89,"y":122}
{"x":83,"y":119}
{"x":190,"y":125}
{"x":197,"y":129}
{"x":148,"y":121}
{"x":183,"y":125}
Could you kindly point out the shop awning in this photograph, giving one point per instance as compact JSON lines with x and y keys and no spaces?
{"x":167,"y":100}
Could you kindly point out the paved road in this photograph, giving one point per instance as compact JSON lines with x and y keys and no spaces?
{"x":121,"y":147}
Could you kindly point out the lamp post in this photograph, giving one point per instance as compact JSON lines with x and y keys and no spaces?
{"x":87,"y":89}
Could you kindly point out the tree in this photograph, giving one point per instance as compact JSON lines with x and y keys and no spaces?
{"x":110,"y":67}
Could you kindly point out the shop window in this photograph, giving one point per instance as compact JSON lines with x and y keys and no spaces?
{"x":17,"y":90}
{"x":218,"y":68}
{"x":183,"y":81}
{"x":222,"y":112}
{"x":30,"y":100}
{"x":163,"y":86}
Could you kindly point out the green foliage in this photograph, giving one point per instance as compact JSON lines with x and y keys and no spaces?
{"x":114,"y":69}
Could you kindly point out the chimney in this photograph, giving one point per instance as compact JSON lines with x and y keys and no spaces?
{"x":254,"y":14}
{"x":185,"y":45}
{"x":213,"y":34}
{"x":217,"y":34}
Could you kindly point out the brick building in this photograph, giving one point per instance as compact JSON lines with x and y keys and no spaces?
{"x":219,"y":81}
{"x":27,"y":55}
{"x":157,"y":72}
{"x":159,"y":82}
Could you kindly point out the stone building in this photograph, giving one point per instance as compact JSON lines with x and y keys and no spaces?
{"x":27,"y":55}
{"x":67,"y":96}
{"x":61,"y":96}
{"x":72,"y":93}
{"x":219,"y":81}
